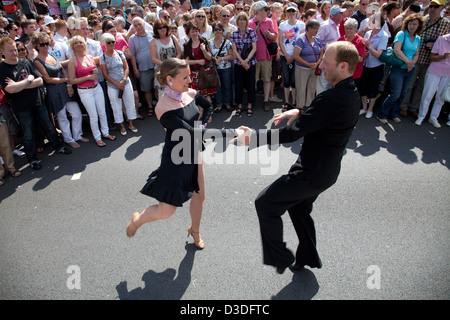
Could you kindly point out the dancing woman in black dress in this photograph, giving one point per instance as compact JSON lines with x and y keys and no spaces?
{"x":174,"y":183}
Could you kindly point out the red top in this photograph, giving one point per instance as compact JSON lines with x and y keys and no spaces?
{"x":83,"y":71}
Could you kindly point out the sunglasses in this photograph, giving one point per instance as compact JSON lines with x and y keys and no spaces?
{"x":110,"y":42}
{"x":201,"y":17}
{"x":218,"y":29}
{"x":291,"y":10}
{"x":238,"y":9}
{"x":153,"y":7}
{"x":435,"y":6}
{"x":44,"y":44}
{"x":225,"y":16}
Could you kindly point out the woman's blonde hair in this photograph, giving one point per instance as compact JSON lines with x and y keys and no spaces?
{"x":170,"y":67}
{"x":76,"y":39}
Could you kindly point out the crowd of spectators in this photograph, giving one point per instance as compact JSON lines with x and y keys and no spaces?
{"x":62,"y":59}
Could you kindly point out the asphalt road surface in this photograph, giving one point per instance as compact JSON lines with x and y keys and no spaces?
{"x":383,"y":229}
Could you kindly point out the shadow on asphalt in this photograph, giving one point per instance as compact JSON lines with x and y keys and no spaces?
{"x":166,"y":285}
{"x":303,"y":286}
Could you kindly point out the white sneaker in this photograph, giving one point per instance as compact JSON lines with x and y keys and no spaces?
{"x":361,"y":112}
{"x":18,"y":153}
{"x":369,"y":114}
{"x":434,"y":122}
{"x":275,"y":99}
{"x":418,"y":121}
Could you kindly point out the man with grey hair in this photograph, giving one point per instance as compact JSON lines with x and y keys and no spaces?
{"x":266,"y":33}
{"x":141,"y":60}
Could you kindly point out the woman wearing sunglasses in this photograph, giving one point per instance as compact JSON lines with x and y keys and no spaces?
{"x":114,"y":68}
{"x":59,"y":91}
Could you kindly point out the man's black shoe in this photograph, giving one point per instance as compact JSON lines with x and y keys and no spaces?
{"x":296,"y":268}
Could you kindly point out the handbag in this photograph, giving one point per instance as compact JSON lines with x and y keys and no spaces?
{"x":208,"y":77}
{"x":272,"y":47}
{"x":246,"y":49}
{"x":388,"y":56}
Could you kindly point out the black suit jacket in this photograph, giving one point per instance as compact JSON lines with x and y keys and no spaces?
{"x":326,"y":126}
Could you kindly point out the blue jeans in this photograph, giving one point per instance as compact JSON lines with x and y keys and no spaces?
{"x":400,"y":80}
{"x":224,"y":93}
{"x":288,"y":73}
{"x":27,"y":120}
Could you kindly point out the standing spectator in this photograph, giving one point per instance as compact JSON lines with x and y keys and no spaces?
{"x":84,"y":6}
{"x":20,"y":81}
{"x":329,"y":33}
{"x":223,"y":57}
{"x":141,"y":60}
{"x":437,"y":80}
{"x":162,"y":47}
{"x":375,"y":41}
{"x":265,"y":31}
{"x":289,"y":30}
{"x":63,"y":5}
{"x":115,"y":70}
{"x":244,"y":44}
{"x":308,"y":55}
{"x":276,"y":10}
{"x":324,"y":10}
{"x":84,"y":73}
{"x":197,"y":53}
{"x":406,"y":45}
{"x":59,"y":90}
{"x":351,"y":35}
{"x":5,"y":147}
{"x":204,"y":29}
{"x":360,"y":14}
{"x":435,"y":26}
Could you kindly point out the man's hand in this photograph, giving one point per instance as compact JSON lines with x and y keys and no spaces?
{"x":291,"y":115}
{"x":244,"y":134}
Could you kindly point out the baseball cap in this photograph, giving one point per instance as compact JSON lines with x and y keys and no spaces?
{"x":335,"y":10}
{"x":438,"y":2}
{"x":260,"y":5}
{"x":48,"y":20}
{"x":292,"y":5}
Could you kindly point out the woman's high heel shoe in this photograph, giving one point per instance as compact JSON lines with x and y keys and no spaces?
{"x":131,"y":227}
{"x":199,"y":244}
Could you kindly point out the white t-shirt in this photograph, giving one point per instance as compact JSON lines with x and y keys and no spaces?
{"x":290,"y":34}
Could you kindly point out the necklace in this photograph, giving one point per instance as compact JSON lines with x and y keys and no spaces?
{"x":175,"y":95}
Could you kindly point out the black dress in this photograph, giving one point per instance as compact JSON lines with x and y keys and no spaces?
{"x":176,"y":179}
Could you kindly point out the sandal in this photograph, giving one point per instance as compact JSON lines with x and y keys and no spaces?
{"x":217,"y":109}
{"x":150,"y":112}
{"x":15,"y":173}
{"x":2,"y":182}
{"x":110,"y":137}
{"x":229,"y":108}
{"x":238,"y":112}
{"x":249,"y":112}
{"x":100,"y":143}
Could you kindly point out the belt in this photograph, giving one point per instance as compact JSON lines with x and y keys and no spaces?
{"x":91,"y":87}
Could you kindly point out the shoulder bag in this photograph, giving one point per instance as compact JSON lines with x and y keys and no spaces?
{"x":388,"y":56}
{"x":208,"y":76}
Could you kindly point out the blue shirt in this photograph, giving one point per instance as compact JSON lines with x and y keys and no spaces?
{"x":409,"y":47}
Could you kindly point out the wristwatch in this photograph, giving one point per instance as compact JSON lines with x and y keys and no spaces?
{"x":29,"y":81}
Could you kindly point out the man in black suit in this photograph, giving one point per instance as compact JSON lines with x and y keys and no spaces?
{"x":326,"y":126}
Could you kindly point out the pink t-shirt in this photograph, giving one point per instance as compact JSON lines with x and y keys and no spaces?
{"x":442,"y":67}
{"x":261,"y":46}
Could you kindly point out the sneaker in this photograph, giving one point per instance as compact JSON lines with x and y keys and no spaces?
{"x":418,"y":121}
{"x":383,"y":121}
{"x":397,"y":120}
{"x":434,"y":122}
{"x":275,"y":99}
{"x":18,"y":153}
{"x":35,"y":165}
{"x":64,"y":150}
{"x":369,"y":114}
{"x":361,"y":112}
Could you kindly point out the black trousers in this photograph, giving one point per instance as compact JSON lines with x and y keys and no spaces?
{"x":292,"y":194}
